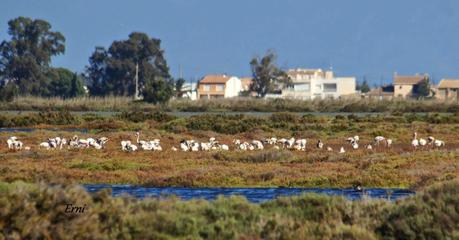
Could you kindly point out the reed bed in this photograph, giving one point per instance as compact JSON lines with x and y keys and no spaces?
{"x":241,"y":104}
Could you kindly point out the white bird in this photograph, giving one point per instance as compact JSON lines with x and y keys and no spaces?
{"x":141,"y":142}
{"x":422,"y":142}
{"x":369,"y":147}
{"x":195,"y":147}
{"x":257,"y":144}
{"x":184,"y":146}
{"x":341,"y":150}
{"x":379,"y":139}
{"x":10,"y":143}
{"x":355,"y":145}
{"x":439,"y":143}
{"x":18,"y":145}
{"x":45,"y":145}
{"x":205,"y":146}
{"x":415,"y":141}
{"x":389,"y":142}
{"x":224,"y":147}
{"x":329,"y":149}
{"x":174,"y":149}
{"x":320,"y":144}
{"x":125,"y":144}
{"x":132,"y":148}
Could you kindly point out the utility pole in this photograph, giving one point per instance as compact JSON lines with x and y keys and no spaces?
{"x":136,"y":94}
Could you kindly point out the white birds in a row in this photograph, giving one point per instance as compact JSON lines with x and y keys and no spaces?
{"x":14,"y":144}
{"x":421,"y":142}
{"x":193,"y":146}
{"x":75,"y":142}
{"x":152,"y":145}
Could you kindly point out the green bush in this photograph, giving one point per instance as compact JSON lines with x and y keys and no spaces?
{"x":29,"y":211}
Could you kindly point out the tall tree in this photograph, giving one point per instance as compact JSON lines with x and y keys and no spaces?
{"x":95,"y":72}
{"x":158,"y":90}
{"x":363,"y":87}
{"x":178,"y":86}
{"x":266,"y":74}
{"x":423,"y":89}
{"x":25,"y":58}
{"x":64,"y":83}
{"x":112,"y":71}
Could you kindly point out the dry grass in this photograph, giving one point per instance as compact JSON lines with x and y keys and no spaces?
{"x":398,"y":167}
{"x":117,"y":103}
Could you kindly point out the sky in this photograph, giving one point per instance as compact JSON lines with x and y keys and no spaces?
{"x":362,"y":38}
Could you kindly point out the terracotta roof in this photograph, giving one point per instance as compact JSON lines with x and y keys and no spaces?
{"x":408,"y":80}
{"x":215,"y":79}
{"x":449,"y":83}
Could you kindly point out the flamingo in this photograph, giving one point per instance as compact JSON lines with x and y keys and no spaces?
{"x":415,"y":141}
{"x":320,"y":144}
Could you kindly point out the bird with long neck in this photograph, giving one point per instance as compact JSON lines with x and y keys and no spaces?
{"x":141,"y":142}
{"x":415,"y":141}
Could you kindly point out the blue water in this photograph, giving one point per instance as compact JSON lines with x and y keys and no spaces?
{"x":255,"y":195}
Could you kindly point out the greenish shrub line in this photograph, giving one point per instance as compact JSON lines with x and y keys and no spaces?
{"x":39,"y":212}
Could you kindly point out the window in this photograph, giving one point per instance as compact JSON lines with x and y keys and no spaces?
{"x":220,"y":87}
{"x":206,"y":87}
{"x":318,"y":87}
{"x":302,"y":87}
{"x":330,"y":87}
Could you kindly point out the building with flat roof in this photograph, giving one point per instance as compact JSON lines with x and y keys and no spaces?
{"x":309,"y":84}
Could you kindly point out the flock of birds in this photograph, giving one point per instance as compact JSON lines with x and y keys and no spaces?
{"x":213,"y":144}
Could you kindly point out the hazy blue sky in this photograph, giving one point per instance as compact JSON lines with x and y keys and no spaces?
{"x":355,"y":37}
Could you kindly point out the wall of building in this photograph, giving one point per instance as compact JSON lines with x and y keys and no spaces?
{"x":233,"y":87}
{"x":403,"y":91}
{"x":346,"y":85}
{"x":446,"y":94}
{"x":211,"y":90}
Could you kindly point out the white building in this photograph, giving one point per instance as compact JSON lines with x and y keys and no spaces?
{"x":189,"y":91}
{"x":309,"y":84}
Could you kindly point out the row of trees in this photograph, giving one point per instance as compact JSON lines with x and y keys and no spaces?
{"x":25,"y":62}
{"x":25,"y":66}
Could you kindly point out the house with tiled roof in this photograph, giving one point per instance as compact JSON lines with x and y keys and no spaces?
{"x":448,"y":89}
{"x":406,"y":86}
{"x":219,"y":86}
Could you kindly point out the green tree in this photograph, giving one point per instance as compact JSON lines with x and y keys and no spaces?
{"x":266,"y":74}
{"x":178,"y":86}
{"x":158,"y":90}
{"x":423,"y":89}
{"x":25,"y":58}
{"x":112,"y":71}
{"x":77,"y":86}
{"x":63,"y":83}
{"x":95,"y":73}
{"x":363,"y":87}
{"x":8,"y":91}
